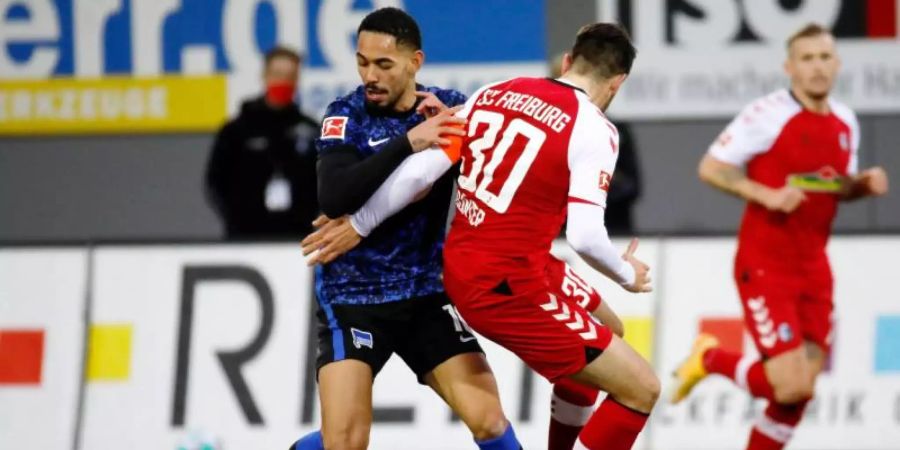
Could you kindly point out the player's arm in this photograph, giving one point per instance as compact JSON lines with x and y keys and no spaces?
{"x":404,"y":186}
{"x":346,"y":179}
{"x":872,"y":182}
{"x":416,"y":174}
{"x":723,"y":166}
{"x":731,"y":179}
{"x":408,"y":183}
{"x":591,"y":167}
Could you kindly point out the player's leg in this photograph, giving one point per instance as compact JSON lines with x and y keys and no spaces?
{"x":608,"y":317}
{"x":572,"y":403}
{"x":351,"y":351}
{"x":633,"y":389}
{"x":441,"y":349}
{"x":468,"y":386}
{"x":773,"y":430}
{"x":770,"y":302}
{"x":557,"y":338}
{"x":345,"y":396}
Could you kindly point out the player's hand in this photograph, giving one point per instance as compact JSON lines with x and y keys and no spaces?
{"x":430,"y":105}
{"x":786,"y":199}
{"x":432,"y":132}
{"x":641,"y":270}
{"x":333,"y":238}
{"x":875,"y":181}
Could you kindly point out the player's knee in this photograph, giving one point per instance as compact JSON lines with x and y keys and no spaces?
{"x":652,"y":389}
{"x":645,"y":397}
{"x":488,"y":425}
{"x":348,"y":439}
{"x":793,"y":391}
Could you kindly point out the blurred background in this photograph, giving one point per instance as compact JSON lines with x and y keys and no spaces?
{"x":152,"y":293}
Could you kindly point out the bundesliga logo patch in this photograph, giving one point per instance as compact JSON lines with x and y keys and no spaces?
{"x":605,"y":179}
{"x":333,"y":127}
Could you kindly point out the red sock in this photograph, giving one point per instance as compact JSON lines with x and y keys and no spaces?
{"x":570,"y":408}
{"x":612,"y":427}
{"x":745,"y":372}
{"x":775,"y":427}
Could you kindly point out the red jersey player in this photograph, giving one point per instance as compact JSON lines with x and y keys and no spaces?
{"x":798,"y":147}
{"x":538,"y":152}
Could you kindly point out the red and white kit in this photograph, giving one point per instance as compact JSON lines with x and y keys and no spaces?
{"x":538,"y":152}
{"x":535,"y":146}
{"x":781,"y":268}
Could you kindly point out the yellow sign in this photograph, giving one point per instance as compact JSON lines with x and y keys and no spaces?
{"x":639,"y":334}
{"x":109,"y":352}
{"x":112,"y":105}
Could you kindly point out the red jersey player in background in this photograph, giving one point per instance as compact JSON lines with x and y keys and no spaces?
{"x":792,"y":155}
{"x":537,"y":152}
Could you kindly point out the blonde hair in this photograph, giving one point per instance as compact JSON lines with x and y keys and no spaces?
{"x":810,"y":30}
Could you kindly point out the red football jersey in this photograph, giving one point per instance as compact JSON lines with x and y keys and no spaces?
{"x":780,"y":142}
{"x":533,"y":145}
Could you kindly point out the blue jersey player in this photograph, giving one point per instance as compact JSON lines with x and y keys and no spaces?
{"x":386,"y":295}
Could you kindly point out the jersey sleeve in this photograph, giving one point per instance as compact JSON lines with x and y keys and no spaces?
{"x":416,"y":174}
{"x":339,"y":127}
{"x":849,"y":118}
{"x":593,"y":149}
{"x":745,"y":137}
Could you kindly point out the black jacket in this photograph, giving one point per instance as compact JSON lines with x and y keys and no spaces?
{"x":249,"y":151}
{"x":625,"y":188}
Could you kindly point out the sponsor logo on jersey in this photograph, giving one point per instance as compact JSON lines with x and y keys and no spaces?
{"x":826,"y":179}
{"x":605,"y":180}
{"x":376,"y":143}
{"x":361,"y":338}
{"x":333,"y":127}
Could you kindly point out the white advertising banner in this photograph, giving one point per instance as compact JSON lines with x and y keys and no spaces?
{"x":216,"y":344}
{"x":709,"y":58}
{"x":216,"y":340}
{"x":856,"y":403}
{"x":42,"y":295}
{"x":218,"y":352}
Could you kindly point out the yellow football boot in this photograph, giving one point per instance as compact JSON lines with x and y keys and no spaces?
{"x":691,"y":371}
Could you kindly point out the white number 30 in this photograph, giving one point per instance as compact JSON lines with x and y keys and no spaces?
{"x":517,"y":127}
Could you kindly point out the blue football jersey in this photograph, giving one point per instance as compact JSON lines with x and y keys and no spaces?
{"x":401,"y":259}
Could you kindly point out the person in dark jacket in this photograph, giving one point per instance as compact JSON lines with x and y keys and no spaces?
{"x":261,"y":174}
{"x":625,"y":188}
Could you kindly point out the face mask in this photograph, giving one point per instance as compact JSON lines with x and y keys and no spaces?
{"x":280,"y":94}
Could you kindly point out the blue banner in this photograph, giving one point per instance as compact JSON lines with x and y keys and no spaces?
{"x":105,"y":37}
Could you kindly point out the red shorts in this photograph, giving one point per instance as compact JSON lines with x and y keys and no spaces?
{"x":784,"y":307}
{"x":539,"y":311}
